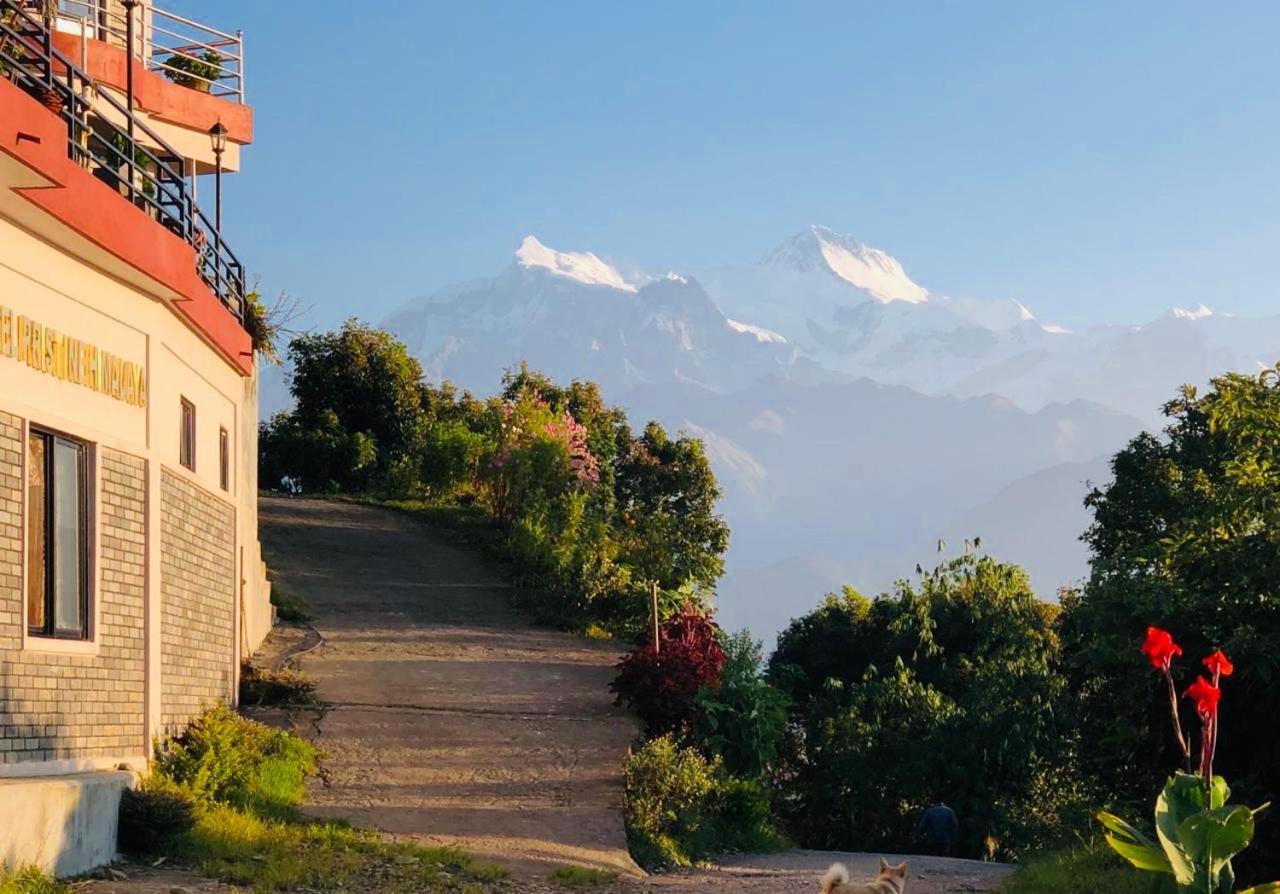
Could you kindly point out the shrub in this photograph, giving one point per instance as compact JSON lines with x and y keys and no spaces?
{"x":742,"y":720}
{"x":29,"y":881}
{"x":154,"y":816}
{"x":662,"y":687}
{"x":261,"y":686}
{"x":740,"y":820}
{"x":668,"y":788}
{"x":224,"y":758}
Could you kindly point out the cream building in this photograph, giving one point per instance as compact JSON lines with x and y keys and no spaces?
{"x":131,"y":579}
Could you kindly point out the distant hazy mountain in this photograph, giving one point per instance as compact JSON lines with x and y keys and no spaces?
{"x":854,"y":416}
{"x":855,"y":310}
{"x":571,"y":314}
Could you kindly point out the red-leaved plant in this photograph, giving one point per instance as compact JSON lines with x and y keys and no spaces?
{"x":662,"y":687}
{"x":1197,"y":831}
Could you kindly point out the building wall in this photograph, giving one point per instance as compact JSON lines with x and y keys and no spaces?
{"x":167,"y":541}
{"x":76,"y":707}
{"x":198,"y":598}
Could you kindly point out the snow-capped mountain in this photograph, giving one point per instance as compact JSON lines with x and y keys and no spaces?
{"x":853,"y":415}
{"x":855,"y":310}
{"x":573,"y":314}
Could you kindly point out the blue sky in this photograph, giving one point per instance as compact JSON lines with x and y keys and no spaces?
{"x":1099,"y":162}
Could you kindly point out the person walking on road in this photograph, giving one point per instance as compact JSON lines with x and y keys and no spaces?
{"x":939,"y":826}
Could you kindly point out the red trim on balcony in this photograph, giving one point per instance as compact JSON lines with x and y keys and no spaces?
{"x":156,"y":94}
{"x":104,"y":217}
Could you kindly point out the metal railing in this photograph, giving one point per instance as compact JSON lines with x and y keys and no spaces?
{"x":187,"y":52}
{"x":131,"y":158}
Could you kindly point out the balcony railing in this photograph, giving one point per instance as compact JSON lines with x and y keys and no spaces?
{"x":130,"y":157}
{"x":187,"y":52}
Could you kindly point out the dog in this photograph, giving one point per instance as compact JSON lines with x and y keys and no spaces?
{"x":892,"y":880}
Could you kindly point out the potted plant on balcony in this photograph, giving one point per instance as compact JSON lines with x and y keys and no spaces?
{"x":197,"y":72}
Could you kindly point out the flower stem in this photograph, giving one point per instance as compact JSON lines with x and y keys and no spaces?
{"x":1177,"y":721}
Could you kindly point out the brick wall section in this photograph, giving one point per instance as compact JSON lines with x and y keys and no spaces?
{"x":60,"y":707}
{"x":198,"y":592}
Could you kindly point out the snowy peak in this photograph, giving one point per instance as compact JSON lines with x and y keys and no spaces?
{"x":583,"y":267}
{"x":767,"y":336}
{"x":1198,"y":313}
{"x":870,"y":269}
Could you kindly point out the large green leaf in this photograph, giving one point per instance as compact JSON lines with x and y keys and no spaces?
{"x":1182,"y":798}
{"x":1130,"y":843}
{"x":1211,"y":838}
{"x":1266,"y":888}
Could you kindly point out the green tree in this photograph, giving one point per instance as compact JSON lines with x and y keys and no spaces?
{"x":948,"y":687}
{"x":1186,"y":537}
{"x":367,"y":379}
{"x":667,"y":495}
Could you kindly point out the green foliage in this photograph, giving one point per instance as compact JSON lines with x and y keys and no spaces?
{"x":578,"y":877}
{"x":743,"y":718}
{"x":1187,"y":532}
{"x":223,"y":800}
{"x":1088,"y":869}
{"x":155,"y":816}
{"x":30,"y":881}
{"x":224,"y":758}
{"x":589,"y":514}
{"x":197,"y":72}
{"x":682,"y":808}
{"x":948,"y":688}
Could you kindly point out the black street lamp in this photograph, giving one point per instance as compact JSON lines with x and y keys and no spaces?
{"x":218,"y":139}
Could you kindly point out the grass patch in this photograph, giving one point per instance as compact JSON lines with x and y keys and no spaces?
{"x":223,"y":799}
{"x":30,"y":881}
{"x":281,"y":855}
{"x":263,"y":687}
{"x":579,"y":877}
{"x":1085,"y":870}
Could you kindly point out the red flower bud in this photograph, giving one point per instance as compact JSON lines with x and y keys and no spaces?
{"x":1160,"y":648}
{"x":1219,"y":664}
{"x":1205,"y":695}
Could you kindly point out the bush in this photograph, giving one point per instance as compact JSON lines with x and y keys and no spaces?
{"x":662,"y":687}
{"x":668,"y":788}
{"x":742,"y":719}
{"x":29,"y":881}
{"x":1088,"y":869}
{"x":682,"y":808}
{"x":262,"y":686}
{"x":154,"y":816}
{"x":224,"y":758}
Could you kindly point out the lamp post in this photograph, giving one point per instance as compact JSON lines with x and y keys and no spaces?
{"x":218,"y":139}
{"x":129,"y":7}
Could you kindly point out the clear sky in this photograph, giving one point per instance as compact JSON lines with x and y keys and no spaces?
{"x":1098,"y":162}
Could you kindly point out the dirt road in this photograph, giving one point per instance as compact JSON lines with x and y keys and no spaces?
{"x":449,"y":719}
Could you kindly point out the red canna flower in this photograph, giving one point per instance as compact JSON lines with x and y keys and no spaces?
{"x":1160,"y":648}
{"x":1205,"y":695}
{"x":1219,"y":665}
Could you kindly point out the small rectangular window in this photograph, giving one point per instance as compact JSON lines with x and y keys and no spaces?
{"x":224,"y":459}
{"x":187,"y":447}
{"x":57,"y":536}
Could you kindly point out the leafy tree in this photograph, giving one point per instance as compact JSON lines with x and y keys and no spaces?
{"x":742,"y":719}
{"x":946,"y":688}
{"x":666,"y":499}
{"x":366,"y":378}
{"x":1186,"y":536}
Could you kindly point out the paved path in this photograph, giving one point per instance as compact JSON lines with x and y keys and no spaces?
{"x":449,"y":718}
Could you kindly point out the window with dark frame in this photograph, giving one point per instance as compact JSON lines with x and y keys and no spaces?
{"x":57,"y":536}
{"x":224,"y":459}
{"x":187,"y":446}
